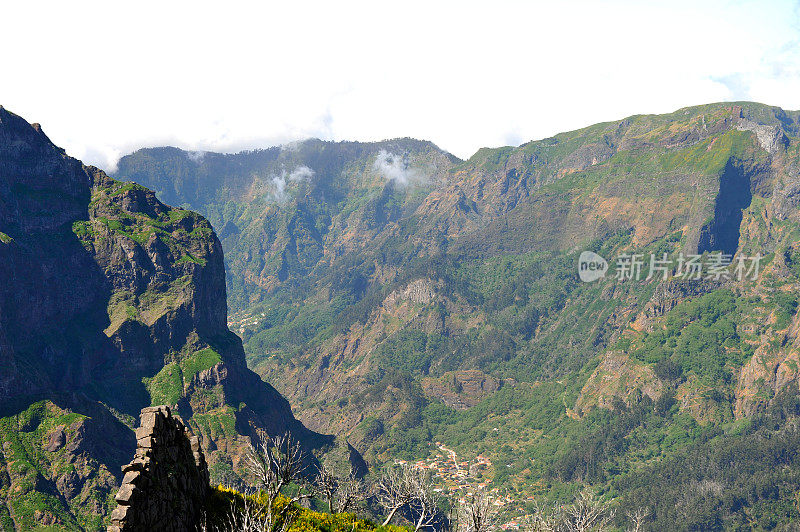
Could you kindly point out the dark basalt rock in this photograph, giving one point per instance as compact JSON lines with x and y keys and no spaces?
{"x":169,"y":467}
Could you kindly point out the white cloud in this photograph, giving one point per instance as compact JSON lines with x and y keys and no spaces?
{"x":299,"y":174}
{"x":462,"y":74}
{"x":395,"y":168}
{"x":279,"y":186}
{"x":197,"y":156}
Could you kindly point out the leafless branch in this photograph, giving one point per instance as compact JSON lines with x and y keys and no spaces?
{"x":247,"y":518}
{"x":406,"y":487}
{"x":275,"y":464}
{"x":588,"y":513}
{"x":341,"y":493}
{"x":637,"y":518}
{"x":476,"y":514}
{"x":394,"y":491}
{"x":328,"y":486}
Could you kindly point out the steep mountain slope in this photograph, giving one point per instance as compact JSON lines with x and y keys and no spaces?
{"x":275,"y":208}
{"x":400,"y":296}
{"x":110,"y":301}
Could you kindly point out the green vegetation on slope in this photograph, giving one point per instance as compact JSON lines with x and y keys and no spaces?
{"x":699,"y":336}
{"x":29,"y":461}
{"x":319,"y":283}
{"x":166,"y":387}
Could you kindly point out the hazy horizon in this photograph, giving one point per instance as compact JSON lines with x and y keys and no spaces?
{"x":105,"y":80}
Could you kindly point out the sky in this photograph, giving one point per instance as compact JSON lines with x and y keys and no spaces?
{"x":105,"y":78}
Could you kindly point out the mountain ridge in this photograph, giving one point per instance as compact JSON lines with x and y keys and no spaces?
{"x":402,"y":312}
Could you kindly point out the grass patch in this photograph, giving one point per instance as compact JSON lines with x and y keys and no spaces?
{"x":199,"y":361}
{"x":166,"y":386}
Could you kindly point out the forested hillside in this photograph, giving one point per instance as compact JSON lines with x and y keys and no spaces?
{"x":400,"y":297}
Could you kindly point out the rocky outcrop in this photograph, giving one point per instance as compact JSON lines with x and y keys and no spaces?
{"x":771,"y":138}
{"x":166,"y":484}
{"x":462,"y":389}
{"x":668,"y":294}
{"x":418,"y":291}
{"x":617,"y":376}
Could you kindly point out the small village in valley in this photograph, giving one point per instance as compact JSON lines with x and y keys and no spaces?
{"x":460,"y":479}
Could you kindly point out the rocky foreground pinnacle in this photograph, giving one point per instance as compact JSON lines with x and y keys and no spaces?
{"x":166,"y":483}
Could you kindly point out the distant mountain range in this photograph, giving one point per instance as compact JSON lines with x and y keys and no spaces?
{"x":397,"y":296}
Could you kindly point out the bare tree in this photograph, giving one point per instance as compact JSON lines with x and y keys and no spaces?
{"x":341,"y":493}
{"x":588,"y":513}
{"x":328,"y":485}
{"x":550,"y":519}
{"x":395,"y":491}
{"x":248,"y":517}
{"x":352,"y":490}
{"x":476,"y":514}
{"x":411,"y":489}
{"x":275,"y":464}
{"x":425,"y":504}
{"x":453,"y":519}
{"x":244,"y":515}
{"x":637,"y":518}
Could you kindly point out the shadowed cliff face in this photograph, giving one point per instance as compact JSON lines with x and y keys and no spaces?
{"x":110,"y":301}
{"x":722,"y":233}
{"x":53,"y":296}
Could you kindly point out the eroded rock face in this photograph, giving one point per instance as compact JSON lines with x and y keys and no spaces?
{"x":166,"y":483}
{"x":617,"y":376}
{"x":462,"y":389}
{"x":668,"y":294}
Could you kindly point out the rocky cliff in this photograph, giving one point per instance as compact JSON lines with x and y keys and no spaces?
{"x":111,"y":301}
